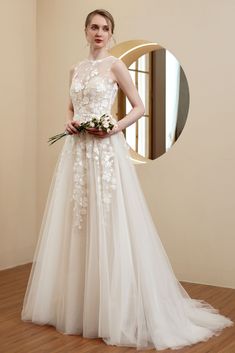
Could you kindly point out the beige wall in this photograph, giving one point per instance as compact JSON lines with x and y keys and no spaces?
{"x":18,"y":132}
{"x":191,"y":196}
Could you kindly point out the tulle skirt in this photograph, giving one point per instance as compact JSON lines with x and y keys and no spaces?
{"x":100,"y":269}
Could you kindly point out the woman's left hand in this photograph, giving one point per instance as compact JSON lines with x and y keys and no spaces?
{"x":99,"y":133}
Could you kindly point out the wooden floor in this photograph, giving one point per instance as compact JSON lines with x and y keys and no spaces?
{"x":17,"y":336}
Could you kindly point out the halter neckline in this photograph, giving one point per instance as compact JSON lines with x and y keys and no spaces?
{"x":99,"y":59}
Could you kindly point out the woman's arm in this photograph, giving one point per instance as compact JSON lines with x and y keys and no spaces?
{"x":126,"y":84}
{"x":70,"y":111}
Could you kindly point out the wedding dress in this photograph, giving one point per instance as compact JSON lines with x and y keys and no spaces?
{"x":100,"y":269}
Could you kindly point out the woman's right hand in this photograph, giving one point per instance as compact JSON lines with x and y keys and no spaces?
{"x":70,"y":127}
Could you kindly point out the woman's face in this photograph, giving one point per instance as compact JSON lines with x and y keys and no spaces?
{"x":98,"y":32}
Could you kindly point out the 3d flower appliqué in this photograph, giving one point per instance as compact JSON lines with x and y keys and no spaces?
{"x":78,"y":86}
{"x":92,"y":92}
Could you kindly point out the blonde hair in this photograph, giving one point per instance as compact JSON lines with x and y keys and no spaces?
{"x":107,"y":15}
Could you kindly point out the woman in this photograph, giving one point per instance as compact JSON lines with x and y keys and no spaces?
{"x":99,"y":268}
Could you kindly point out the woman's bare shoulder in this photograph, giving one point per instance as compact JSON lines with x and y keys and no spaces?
{"x":117,"y":61}
{"x":118,"y":66}
{"x":119,"y":69}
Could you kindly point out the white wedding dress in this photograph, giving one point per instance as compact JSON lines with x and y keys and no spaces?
{"x":100,"y":269}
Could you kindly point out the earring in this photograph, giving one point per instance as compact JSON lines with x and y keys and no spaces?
{"x":109,"y":42}
{"x":114,"y":39}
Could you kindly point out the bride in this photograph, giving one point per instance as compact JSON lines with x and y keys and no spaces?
{"x":99,"y":268}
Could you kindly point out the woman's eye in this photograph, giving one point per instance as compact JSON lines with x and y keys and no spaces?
{"x":95,"y":27}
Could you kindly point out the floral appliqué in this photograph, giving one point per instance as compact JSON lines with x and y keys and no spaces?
{"x":92,"y":93}
{"x":100,"y":152}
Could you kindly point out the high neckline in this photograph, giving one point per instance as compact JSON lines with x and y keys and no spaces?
{"x":99,"y":59}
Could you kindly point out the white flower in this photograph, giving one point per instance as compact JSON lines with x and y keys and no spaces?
{"x":94,"y":72}
{"x":78,"y":86}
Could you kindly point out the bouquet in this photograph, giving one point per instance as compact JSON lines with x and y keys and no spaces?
{"x":105,"y":123}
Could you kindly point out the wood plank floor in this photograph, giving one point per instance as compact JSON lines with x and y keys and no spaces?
{"x":17,"y":336}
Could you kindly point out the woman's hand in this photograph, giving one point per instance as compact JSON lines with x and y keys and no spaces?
{"x":101,"y":133}
{"x":70,"y":126}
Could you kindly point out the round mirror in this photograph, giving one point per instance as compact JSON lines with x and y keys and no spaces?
{"x":164,"y":90}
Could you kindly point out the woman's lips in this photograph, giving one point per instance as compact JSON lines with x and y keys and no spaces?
{"x":98,"y":40}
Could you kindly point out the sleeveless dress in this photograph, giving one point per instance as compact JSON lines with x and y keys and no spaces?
{"x":99,"y":268}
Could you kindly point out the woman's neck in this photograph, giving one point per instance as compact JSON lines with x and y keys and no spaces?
{"x":97,"y":56}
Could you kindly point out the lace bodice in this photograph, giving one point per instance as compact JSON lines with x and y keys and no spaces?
{"x":92,"y":89}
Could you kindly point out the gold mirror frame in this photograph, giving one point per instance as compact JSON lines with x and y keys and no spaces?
{"x":129,"y":52}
